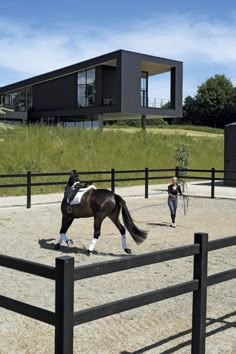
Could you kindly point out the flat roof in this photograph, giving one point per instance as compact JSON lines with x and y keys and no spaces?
{"x":152,"y":64}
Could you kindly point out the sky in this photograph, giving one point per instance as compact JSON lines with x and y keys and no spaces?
{"x":40,"y":36}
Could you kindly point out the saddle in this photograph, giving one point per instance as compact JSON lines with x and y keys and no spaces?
{"x":76,"y":192}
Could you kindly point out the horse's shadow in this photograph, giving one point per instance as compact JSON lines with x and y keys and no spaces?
{"x":49,"y":245}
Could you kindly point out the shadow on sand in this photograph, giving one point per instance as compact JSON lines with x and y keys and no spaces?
{"x":49,"y":245}
{"x":176,"y":348}
{"x":161,"y":224}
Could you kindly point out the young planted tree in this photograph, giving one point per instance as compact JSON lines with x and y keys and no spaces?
{"x":183,"y":158}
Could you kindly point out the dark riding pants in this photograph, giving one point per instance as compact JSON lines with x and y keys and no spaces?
{"x":173,"y":203}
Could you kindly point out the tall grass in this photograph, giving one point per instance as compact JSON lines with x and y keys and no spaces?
{"x":55,"y":149}
{"x":196,"y":128}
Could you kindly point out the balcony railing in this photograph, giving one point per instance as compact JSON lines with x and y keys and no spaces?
{"x":158,"y":103}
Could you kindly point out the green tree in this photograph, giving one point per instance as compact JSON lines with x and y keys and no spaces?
{"x":216,"y":99}
{"x":214,"y":103}
{"x":191,"y":111}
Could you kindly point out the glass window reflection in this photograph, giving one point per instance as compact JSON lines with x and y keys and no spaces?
{"x":86,"y":88}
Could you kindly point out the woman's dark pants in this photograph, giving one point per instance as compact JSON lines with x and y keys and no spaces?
{"x":173,"y":203}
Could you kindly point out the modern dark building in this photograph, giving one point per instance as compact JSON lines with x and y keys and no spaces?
{"x":110,"y":87}
{"x":230,"y":154}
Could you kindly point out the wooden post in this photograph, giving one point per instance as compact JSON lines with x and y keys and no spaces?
{"x":212,"y":183}
{"x":64,"y":320}
{"x":28,"y":188}
{"x":113,"y":180}
{"x":200,"y":295}
{"x":146,"y":181}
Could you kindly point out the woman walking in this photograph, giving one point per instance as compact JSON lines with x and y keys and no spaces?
{"x":173,"y":191}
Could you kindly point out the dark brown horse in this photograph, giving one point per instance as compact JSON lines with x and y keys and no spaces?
{"x":97,"y":203}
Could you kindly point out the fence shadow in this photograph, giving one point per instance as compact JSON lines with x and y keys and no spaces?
{"x":177,"y":347}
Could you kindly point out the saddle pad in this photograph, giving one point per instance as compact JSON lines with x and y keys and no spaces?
{"x":80,"y":194}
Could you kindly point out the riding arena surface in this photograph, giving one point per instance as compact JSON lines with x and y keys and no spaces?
{"x":164,"y":327}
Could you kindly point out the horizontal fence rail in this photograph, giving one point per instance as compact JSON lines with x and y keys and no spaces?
{"x":113,"y":176}
{"x":27,"y":310}
{"x":129,"y":262}
{"x":29,"y":267}
{"x":133,"y":302}
{"x":65,"y":274}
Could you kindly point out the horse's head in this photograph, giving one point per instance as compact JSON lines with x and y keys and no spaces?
{"x":74,"y":177}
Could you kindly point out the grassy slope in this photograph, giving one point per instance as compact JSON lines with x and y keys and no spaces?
{"x":53,"y":149}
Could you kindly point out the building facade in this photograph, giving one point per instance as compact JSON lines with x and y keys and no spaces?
{"x":109,"y":87}
{"x":230,"y":154}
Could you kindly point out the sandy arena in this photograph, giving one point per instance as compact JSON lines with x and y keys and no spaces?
{"x":164,"y":327}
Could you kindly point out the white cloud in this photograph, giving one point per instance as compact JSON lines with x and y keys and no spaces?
{"x":31,"y":51}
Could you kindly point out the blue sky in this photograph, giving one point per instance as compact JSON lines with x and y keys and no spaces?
{"x":36,"y":37}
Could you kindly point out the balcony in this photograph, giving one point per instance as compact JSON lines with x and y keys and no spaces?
{"x":153,"y":102}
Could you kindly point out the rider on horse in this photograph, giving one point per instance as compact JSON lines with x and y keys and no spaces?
{"x":74,"y":185}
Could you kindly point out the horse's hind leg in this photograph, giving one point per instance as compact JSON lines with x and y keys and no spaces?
{"x":66,"y":223}
{"x":115,"y":219}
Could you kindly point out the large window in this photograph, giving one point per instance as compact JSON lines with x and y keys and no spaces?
{"x":86,"y":88}
{"x":144,"y":89}
{"x":19,"y":100}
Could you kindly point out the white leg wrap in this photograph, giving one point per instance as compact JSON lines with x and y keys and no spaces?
{"x":92,"y":244}
{"x":123,"y":242}
{"x":63,"y":237}
{"x":60,"y":240}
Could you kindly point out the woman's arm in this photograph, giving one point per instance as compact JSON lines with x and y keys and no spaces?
{"x":169,"y":191}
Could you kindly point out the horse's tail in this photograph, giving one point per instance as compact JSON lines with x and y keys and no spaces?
{"x":137,"y":234}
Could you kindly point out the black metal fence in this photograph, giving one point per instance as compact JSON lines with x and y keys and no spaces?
{"x":113,"y":176}
{"x":64,"y":274}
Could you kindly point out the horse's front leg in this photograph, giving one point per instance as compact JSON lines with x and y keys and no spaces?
{"x":66,"y":223}
{"x":97,"y":232}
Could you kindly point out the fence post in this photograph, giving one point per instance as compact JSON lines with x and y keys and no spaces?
{"x":200,"y":295}
{"x":177,"y":171}
{"x":28,"y":203}
{"x":64,"y":305}
{"x":113,"y":180}
{"x":146,"y":181}
{"x":212,"y":183}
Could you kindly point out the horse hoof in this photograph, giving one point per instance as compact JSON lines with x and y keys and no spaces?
{"x":87,"y":252}
{"x":69,"y":242}
{"x":128,"y":250}
{"x":57,"y":246}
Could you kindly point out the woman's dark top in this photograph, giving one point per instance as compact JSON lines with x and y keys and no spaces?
{"x":174,"y":192}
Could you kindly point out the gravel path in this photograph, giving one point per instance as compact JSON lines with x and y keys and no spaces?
{"x":159,"y":328}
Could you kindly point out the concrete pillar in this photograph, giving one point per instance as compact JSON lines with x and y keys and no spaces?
{"x":100,"y":121}
{"x":143,"y":121}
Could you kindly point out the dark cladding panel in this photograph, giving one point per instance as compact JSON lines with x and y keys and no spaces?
{"x":55,"y":94}
{"x":230,"y":154}
{"x":130,"y":82}
{"x":178,"y":85}
{"x":109,"y":90}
